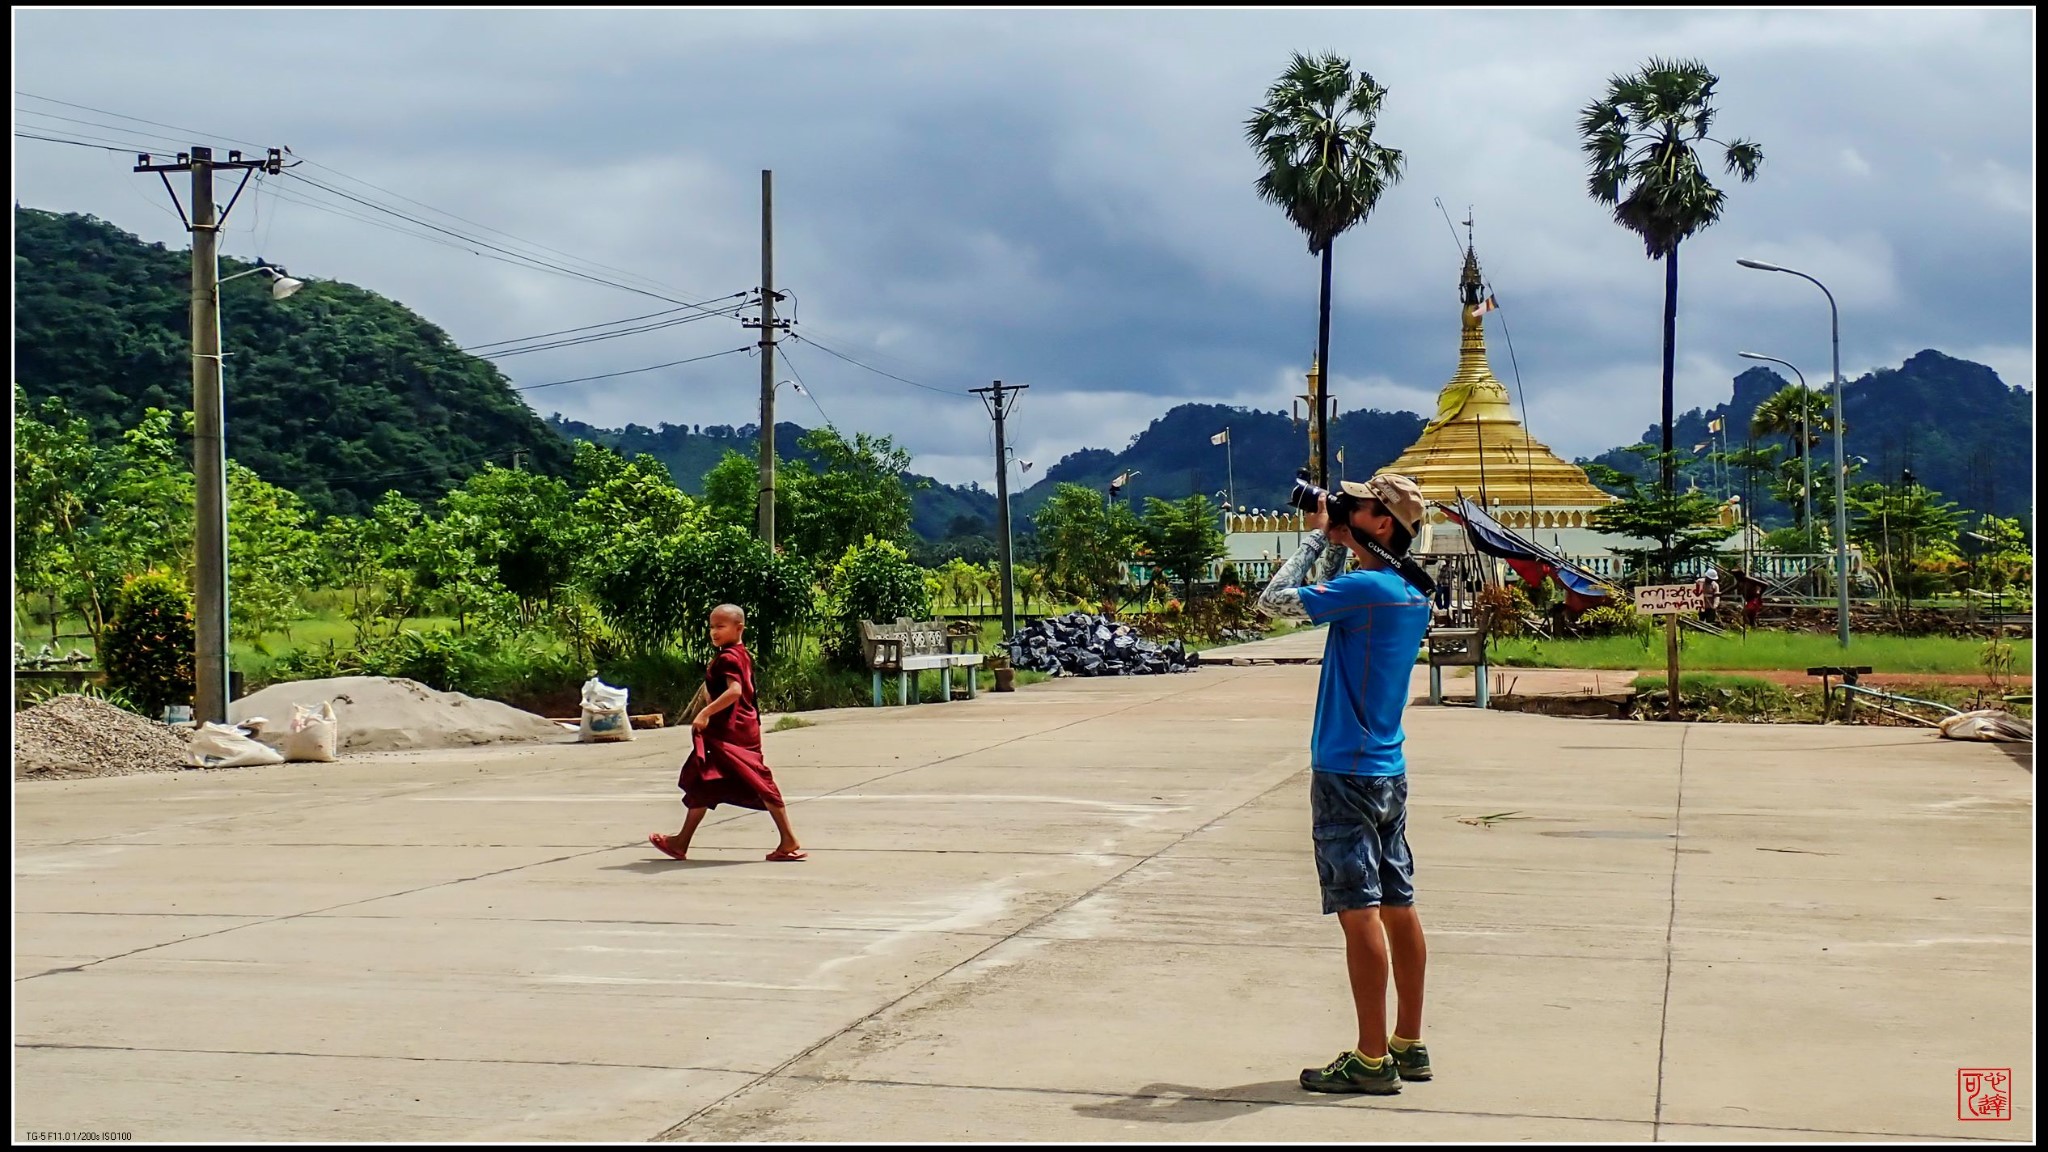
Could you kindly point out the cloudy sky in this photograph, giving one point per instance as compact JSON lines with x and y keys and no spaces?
{"x":1064,"y":198}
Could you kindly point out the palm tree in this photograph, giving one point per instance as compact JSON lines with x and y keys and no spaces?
{"x":1800,"y":415}
{"x":1639,"y":142}
{"x":1323,"y":168}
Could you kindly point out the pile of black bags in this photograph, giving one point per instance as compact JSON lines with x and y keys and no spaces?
{"x":1079,"y":644}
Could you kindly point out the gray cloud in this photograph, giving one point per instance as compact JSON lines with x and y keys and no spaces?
{"x":1064,"y":198}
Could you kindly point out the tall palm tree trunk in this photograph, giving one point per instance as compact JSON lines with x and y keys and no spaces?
{"x":1670,"y":353}
{"x":1322,"y":462}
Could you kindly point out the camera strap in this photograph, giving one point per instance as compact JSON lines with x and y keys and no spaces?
{"x":1408,"y":569}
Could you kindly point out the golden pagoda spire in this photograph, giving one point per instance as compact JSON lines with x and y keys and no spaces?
{"x":1475,"y":431}
{"x":1473,"y":390}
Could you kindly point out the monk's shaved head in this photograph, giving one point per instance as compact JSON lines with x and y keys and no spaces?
{"x":732,"y":612}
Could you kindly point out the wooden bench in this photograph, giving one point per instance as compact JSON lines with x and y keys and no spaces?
{"x":1459,"y":648}
{"x":1827,"y":694}
{"x":906,"y":648}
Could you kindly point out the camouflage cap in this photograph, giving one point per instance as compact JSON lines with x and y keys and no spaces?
{"x":1401,"y":497}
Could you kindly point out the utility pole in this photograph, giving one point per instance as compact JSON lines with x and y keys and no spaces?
{"x":768,"y":325}
{"x":999,"y":400}
{"x":210,"y":674}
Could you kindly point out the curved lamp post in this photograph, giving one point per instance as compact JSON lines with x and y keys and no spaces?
{"x":1841,"y":505}
{"x":1805,"y":441}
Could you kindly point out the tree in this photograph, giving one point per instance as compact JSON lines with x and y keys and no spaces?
{"x":148,"y":646}
{"x":1801,"y":415}
{"x":730,"y":487}
{"x":2005,"y":559}
{"x":1685,"y":526}
{"x":1183,"y":536}
{"x":1083,"y":542}
{"x":1314,"y":135}
{"x":56,"y":470}
{"x":272,"y":555}
{"x":1639,"y":140}
{"x":856,"y":491}
{"x":526,"y":526}
{"x":874,"y":580}
{"x":1898,"y":527}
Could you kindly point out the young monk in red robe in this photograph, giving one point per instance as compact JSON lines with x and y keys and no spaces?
{"x":725,"y":764}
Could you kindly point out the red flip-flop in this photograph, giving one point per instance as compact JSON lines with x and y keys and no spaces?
{"x":779,"y":854}
{"x":660,"y":841}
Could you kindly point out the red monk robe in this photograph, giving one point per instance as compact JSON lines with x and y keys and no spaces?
{"x":725,"y":764}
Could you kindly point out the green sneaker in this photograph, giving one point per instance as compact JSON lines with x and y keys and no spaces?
{"x":1348,"y":1073}
{"x":1412,"y":1064}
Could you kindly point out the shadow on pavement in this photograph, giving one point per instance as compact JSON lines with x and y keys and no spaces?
{"x":657,"y":867}
{"x":1185,"y":1104}
{"x":2020,"y":754}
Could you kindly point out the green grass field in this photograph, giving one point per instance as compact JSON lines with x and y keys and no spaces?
{"x":1759,"y":650}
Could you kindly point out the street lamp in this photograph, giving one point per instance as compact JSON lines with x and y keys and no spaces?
{"x":1841,"y":506}
{"x":281,"y":285}
{"x":1805,"y":442}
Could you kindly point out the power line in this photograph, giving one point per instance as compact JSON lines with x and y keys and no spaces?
{"x":347,"y":177}
{"x":583,"y":328}
{"x":800,"y":383}
{"x":630,"y":371}
{"x":875,"y":370}
{"x":533,"y":261}
{"x":489,"y":351}
{"x":96,"y":124}
{"x":20,"y":135}
{"x":137,"y":119}
{"x":488,"y":228}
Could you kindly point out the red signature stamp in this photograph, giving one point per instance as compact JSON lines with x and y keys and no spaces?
{"x":1983,"y":1093}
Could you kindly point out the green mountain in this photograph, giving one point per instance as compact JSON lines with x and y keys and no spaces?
{"x":1173,"y":457}
{"x":937,"y":511}
{"x":1962,"y":431}
{"x":336,"y":393}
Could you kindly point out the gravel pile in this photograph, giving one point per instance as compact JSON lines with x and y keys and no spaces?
{"x":1079,"y":644}
{"x":73,"y":736}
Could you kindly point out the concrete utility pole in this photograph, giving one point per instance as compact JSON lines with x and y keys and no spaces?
{"x":999,"y":401}
{"x":209,"y":436}
{"x":768,"y":325}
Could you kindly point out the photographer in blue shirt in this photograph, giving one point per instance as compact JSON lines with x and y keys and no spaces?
{"x":1358,"y":791}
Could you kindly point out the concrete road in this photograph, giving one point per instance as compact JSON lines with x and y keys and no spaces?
{"x":1084,"y":911}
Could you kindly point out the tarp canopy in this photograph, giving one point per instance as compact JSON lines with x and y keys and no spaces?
{"x":1532,"y":562}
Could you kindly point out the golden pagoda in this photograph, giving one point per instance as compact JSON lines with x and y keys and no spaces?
{"x":1475,"y":447}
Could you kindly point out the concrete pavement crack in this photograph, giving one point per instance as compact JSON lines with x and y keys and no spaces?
{"x":1670,"y":932}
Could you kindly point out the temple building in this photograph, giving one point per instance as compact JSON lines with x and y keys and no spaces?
{"x":1475,"y":447}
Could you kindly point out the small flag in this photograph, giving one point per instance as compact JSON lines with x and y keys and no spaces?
{"x":1122,"y":478}
{"x":1714,"y":425}
{"x":1340,"y":455}
{"x":1486,"y":305}
{"x":1222,"y":437}
{"x":1699,"y":446}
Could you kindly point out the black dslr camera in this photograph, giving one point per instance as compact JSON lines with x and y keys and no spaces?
{"x":1307,"y":498}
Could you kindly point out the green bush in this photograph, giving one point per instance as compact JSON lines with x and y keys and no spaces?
{"x":875,"y":580}
{"x":1616,"y":620}
{"x":658,"y":592}
{"x":147,"y":648}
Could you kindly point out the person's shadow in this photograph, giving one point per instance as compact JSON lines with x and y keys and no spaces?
{"x":1185,"y":1104}
{"x":658,"y":867}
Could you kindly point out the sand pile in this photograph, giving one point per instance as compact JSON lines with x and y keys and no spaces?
{"x":72,"y":736}
{"x":379,"y":714}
